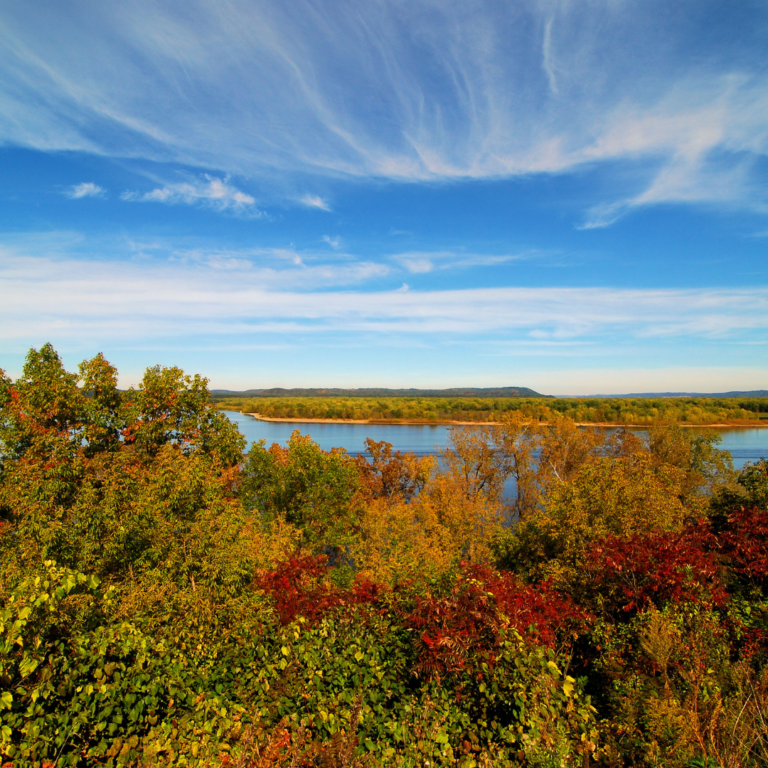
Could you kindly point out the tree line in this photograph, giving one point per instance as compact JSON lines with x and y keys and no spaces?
{"x":543,"y":595}
{"x":617,"y":411}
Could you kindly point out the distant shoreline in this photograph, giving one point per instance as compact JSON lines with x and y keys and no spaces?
{"x":449,"y":423}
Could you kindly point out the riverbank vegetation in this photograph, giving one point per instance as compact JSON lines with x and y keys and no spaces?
{"x":618,"y":411}
{"x":166,"y":599}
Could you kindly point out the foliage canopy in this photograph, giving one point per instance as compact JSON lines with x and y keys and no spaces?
{"x":541,"y":595}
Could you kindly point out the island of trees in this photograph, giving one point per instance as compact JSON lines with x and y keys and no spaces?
{"x":474,"y":408}
{"x":543,"y":595}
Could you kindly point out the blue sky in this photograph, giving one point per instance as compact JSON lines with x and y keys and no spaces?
{"x":570,"y":196}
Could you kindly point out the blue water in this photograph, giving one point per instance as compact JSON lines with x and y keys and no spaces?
{"x":744,"y":443}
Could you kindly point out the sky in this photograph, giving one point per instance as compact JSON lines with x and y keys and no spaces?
{"x":568,"y":196}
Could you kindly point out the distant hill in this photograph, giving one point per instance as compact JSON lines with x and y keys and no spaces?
{"x":751,"y":393}
{"x":381,"y":392}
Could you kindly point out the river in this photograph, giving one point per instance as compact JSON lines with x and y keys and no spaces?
{"x":744,"y":443}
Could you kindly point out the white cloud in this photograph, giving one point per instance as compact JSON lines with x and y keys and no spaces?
{"x":422,"y":262}
{"x":315,"y":201}
{"x":334,"y":242}
{"x":547,"y":55}
{"x":272,"y":269}
{"x":214,"y":193}
{"x":185,"y":299}
{"x":86,"y":189}
{"x":417,"y":264}
{"x":408,"y":91}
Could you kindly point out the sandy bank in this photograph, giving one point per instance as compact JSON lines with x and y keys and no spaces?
{"x":397,"y":422}
{"x":423,"y":423}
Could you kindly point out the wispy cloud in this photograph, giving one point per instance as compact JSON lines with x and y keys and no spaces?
{"x":315,"y":201}
{"x":86,"y":189}
{"x":334,"y":242}
{"x":548,"y":56}
{"x":703,"y":153}
{"x":422,"y":262}
{"x":270,"y":268}
{"x":214,"y":193}
{"x":432,"y":94}
{"x":173,"y":299}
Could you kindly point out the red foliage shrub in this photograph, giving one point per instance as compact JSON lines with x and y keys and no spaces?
{"x":366,"y":591}
{"x":298,"y":587}
{"x":541,"y":610}
{"x":466,"y":626}
{"x":744,"y":543}
{"x":632,"y":573}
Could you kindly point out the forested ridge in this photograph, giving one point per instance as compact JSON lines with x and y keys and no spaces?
{"x":379,"y":392}
{"x":638,"y":411}
{"x":166,"y":599}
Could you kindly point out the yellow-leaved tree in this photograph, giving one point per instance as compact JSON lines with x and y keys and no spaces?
{"x":608,"y":496}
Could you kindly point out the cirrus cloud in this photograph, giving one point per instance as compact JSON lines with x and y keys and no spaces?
{"x":412,"y":91}
{"x":315,"y":201}
{"x":214,"y":193}
{"x":86,"y":189}
{"x":221,"y":294}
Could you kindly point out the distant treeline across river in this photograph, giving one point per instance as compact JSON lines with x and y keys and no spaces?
{"x":640,"y":411}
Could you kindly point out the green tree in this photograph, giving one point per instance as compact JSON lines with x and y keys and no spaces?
{"x":706,"y":467}
{"x":171,"y":407}
{"x":119,"y":487}
{"x":101,"y":406}
{"x":309,"y":488}
{"x":41,"y":409}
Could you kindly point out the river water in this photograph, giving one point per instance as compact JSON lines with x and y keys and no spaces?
{"x":744,"y":443}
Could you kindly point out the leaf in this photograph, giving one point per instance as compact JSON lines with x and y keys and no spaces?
{"x":553,"y":667}
{"x":28,"y":666}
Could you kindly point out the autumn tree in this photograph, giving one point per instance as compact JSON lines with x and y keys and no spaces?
{"x":608,"y":497}
{"x":116,"y":484}
{"x":392,"y":475}
{"x":518,"y":441}
{"x":305,"y":486}
{"x":706,"y":468}
{"x":565,"y":449}
{"x":474,"y":462}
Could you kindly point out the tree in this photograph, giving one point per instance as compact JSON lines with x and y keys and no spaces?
{"x":608,"y":497}
{"x":101,"y":406}
{"x":392,"y":475}
{"x":565,"y":449}
{"x":306,"y":486}
{"x":706,"y":468}
{"x":43,"y":408}
{"x":518,"y":440}
{"x":171,"y":407}
{"x":472,"y":458}
{"x":119,"y":486}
